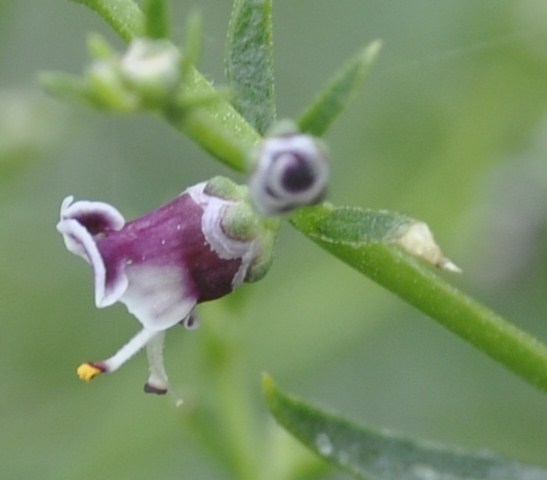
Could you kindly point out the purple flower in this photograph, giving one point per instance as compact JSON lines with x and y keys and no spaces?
{"x":291,"y":171}
{"x":198,"y":247}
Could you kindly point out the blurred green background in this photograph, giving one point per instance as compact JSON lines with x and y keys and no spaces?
{"x":451,"y":128}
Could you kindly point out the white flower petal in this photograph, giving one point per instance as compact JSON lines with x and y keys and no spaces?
{"x":158,"y":296}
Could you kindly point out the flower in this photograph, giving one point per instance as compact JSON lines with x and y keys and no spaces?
{"x":291,"y":170}
{"x":198,"y":247}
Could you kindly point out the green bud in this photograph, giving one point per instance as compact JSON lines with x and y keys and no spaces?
{"x":107,"y":88}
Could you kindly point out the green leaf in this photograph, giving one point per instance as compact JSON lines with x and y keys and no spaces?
{"x":338,"y":93}
{"x":124,"y":16}
{"x":378,"y":455}
{"x":99,"y":48}
{"x":377,"y":244}
{"x":67,"y":87}
{"x":157,"y":18}
{"x":192,"y":43}
{"x":249,"y":61}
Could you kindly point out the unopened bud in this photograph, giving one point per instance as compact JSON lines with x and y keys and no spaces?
{"x":151,"y":68}
{"x":291,"y":171}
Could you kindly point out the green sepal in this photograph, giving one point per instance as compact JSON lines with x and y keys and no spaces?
{"x":225,"y":188}
{"x":377,"y":455}
{"x":156,"y":18}
{"x":99,"y":48}
{"x":249,"y":61}
{"x":339,"y":91}
{"x":192,"y":43}
{"x":241,"y":221}
{"x":67,"y":87}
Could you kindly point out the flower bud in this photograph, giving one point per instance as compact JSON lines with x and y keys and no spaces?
{"x":291,"y":171}
{"x":107,"y":88}
{"x":151,"y":68}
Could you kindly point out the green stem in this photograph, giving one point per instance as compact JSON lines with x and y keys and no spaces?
{"x":216,"y":126}
{"x":415,"y":283}
{"x":233,"y":403}
{"x":461,"y":314}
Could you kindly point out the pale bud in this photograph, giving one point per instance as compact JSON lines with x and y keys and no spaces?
{"x":151,"y":68}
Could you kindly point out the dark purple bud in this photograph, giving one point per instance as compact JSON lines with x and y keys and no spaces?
{"x":291,"y":171}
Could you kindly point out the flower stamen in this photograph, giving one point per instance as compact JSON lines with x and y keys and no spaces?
{"x":157,"y":382}
{"x":88,"y":371}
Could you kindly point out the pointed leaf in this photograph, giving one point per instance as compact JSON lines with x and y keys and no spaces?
{"x":67,"y":87}
{"x":192,"y":43}
{"x":378,"y":455}
{"x":249,"y":61}
{"x":337,"y":94}
{"x":384,"y":246}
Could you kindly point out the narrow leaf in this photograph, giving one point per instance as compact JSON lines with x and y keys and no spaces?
{"x":378,"y":455}
{"x":192,"y":43}
{"x":249,"y":61}
{"x":124,"y":16}
{"x":338,"y":93}
{"x":67,"y":87}
{"x":382,"y":246}
{"x":157,"y":18}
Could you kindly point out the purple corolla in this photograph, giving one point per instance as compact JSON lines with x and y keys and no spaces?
{"x":198,"y":247}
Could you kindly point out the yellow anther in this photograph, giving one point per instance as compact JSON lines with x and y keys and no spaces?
{"x":88,"y":372}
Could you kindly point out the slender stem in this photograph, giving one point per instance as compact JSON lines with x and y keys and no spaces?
{"x":233,"y":403}
{"x":490,"y":333}
{"x":418,"y":285}
{"x":216,"y":126}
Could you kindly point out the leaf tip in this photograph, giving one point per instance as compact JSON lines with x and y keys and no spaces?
{"x":268,"y":386}
{"x":416,"y":238}
{"x":371,"y":51}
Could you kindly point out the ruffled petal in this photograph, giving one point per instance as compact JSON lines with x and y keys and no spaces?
{"x":96,"y":217}
{"x":110,"y":280}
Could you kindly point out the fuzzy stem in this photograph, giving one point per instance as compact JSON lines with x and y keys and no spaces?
{"x":217,"y":126}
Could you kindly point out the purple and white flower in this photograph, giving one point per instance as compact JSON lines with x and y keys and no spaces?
{"x":291,"y":171}
{"x":199,"y":247}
